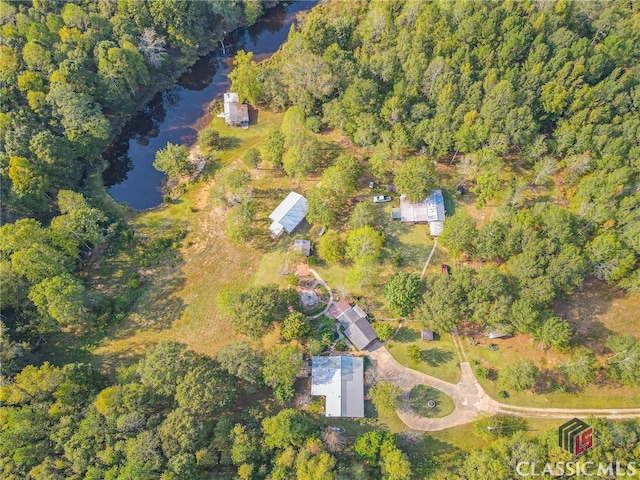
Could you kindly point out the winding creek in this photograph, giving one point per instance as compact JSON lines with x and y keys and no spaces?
{"x":175,"y":115}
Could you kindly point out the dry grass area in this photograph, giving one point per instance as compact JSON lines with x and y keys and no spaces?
{"x":596,"y":310}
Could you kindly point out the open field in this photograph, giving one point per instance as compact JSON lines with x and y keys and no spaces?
{"x":178,"y":294}
{"x":596,"y":310}
{"x":439,"y":358}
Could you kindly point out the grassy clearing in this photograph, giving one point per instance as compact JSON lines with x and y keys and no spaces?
{"x":602,"y":393}
{"x":177,"y":297}
{"x":439,"y":358}
{"x":421,"y":395}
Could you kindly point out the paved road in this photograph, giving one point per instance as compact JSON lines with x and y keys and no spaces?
{"x":468,"y":396}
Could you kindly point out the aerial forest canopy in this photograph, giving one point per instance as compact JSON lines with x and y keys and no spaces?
{"x":534,"y":104}
{"x":533,"y":89}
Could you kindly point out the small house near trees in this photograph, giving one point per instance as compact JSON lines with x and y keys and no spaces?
{"x":236,"y":114}
{"x":288,"y":215}
{"x":430,"y":210}
{"x":340,"y":379}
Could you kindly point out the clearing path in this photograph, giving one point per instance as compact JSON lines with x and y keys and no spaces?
{"x":324,"y":284}
{"x":433,"y":249}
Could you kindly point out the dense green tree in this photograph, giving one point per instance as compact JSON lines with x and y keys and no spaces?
{"x":384,"y":330}
{"x":245,"y":79}
{"x":624,"y":364}
{"x":279,"y":370}
{"x":581,"y":368}
{"x":555,"y":332}
{"x":300,"y":159}
{"x":416,"y":178}
{"x":238,"y":222}
{"x":61,"y":298}
{"x":402,"y":292}
{"x":273,"y":148}
{"x":386,"y":397}
{"x":209,"y":137}
{"x":251,"y":158}
{"x":364,"y":245}
{"x":459,"y":234}
{"x":257,"y":308}
{"x":241,"y":360}
{"x":205,"y":390}
{"x":295,"y":325}
{"x":443,"y":306}
{"x":164,"y":367}
{"x":364,"y":214}
{"x":173,"y":160}
{"x":287,"y":428}
{"x":182,"y":432}
{"x":324,"y":206}
{"x":519,"y":375}
{"x":331,"y":247}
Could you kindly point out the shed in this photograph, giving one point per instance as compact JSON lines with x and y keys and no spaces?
{"x":340,"y":379}
{"x":427,"y":335}
{"x":430,"y":209}
{"x":396,"y":214}
{"x":493,"y":335}
{"x":302,"y":246}
{"x":289,"y":214}
{"x":236,"y":114}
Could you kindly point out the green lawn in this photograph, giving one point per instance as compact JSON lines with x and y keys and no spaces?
{"x":439,"y":358}
{"x":421,"y":395}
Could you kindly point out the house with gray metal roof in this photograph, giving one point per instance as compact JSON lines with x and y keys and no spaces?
{"x":356,"y":327}
{"x":340,"y":379}
{"x":289,"y":214}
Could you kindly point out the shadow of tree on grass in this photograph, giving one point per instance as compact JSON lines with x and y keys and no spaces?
{"x":436,"y":356}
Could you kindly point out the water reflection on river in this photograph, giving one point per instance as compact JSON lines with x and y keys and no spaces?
{"x":175,"y":115}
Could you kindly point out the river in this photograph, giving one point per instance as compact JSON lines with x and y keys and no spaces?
{"x":175,"y":115}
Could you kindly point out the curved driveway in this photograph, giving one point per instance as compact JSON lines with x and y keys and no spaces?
{"x":468,"y":396}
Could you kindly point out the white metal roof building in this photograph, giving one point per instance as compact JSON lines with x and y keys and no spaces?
{"x":429,"y":210}
{"x":340,"y":380}
{"x":288,"y":215}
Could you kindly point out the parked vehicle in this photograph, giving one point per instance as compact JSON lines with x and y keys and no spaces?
{"x":381,"y":199}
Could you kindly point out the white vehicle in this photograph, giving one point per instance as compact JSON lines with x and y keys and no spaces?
{"x":381,"y":199}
